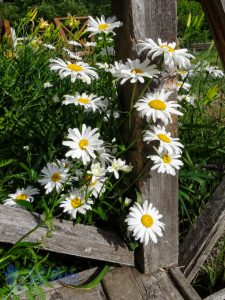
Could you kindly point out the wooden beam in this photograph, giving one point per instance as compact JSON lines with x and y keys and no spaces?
{"x":127,"y":283}
{"x":203,"y":236}
{"x":217,"y":296}
{"x":187,"y":291}
{"x":78,"y":240}
{"x":215,"y":14}
{"x":150,"y":19}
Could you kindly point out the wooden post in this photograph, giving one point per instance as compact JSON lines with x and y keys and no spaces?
{"x":215,"y":13}
{"x":150,"y":19}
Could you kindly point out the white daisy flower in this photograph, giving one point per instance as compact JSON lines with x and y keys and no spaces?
{"x":183,"y":73}
{"x":90,"y":44}
{"x":89,"y":102}
{"x":96,"y":171}
{"x":84,"y":144}
{"x":156,"y":106}
{"x":167,"y":143}
{"x":76,"y":203}
{"x":143,"y":222}
{"x":182,"y":85}
{"x":135,"y":71}
{"x":104,"y":66}
{"x":127,"y":201}
{"x":49,"y":46}
{"x":187,"y":98}
{"x":102,"y":25}
{"x":172,"y":57}
{"x":47,"y":85}
{"x":214,"y":71}
{"x":116,"y":69}
{"x":74,"y":43}
{"x":95,"y":187}
{"x":64,"y":163}
{"x":104,"y":156}
{"x":116,"y":166}
{"x":165,"y":162}
{"x":78,"y":70}
{"x":53,"y":176}
{"x":72,"y":55}
{"x":24,"y":194}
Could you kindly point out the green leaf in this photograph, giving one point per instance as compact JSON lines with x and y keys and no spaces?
{"x":188,"y":21}
{"x":7,"y":162}
{"x":93,"y":283}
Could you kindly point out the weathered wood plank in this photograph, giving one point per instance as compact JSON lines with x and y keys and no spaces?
{"x":143,"y":19}
{"x":8,"y":30}
{"x":61,"y":31}
{"x":57,"y":291}
{"x":127,"y":283}
{"x":203,"y":236}
{"x":78,"y":240}
{"x":1,"y":28}
{"x":217,"y":296}
{"x":187,"y":291}
{"x":215,"y":13}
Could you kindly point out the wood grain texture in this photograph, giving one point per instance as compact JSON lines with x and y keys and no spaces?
{"x":59,"y":292}
{"x":78,"y":240}
{"x":180,"y":281}
{"x":215,"y":13}
{"x":203,"y":236}
{"x":7,"y":30}
{"x":128,"y":284}
{"x":217,"y":296}
{"x":150,"y":19}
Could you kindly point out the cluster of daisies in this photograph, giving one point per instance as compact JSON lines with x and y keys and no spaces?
{"x":89,"y":164}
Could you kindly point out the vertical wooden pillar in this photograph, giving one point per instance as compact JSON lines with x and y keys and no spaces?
{"x":215,"y":13}
{"x":150,"y":19}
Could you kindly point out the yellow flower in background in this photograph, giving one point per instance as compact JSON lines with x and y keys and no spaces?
{"x":72,"y":22}
{"x":43,"y":24}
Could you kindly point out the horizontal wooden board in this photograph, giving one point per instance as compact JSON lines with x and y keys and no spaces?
{"x":67,"y":238}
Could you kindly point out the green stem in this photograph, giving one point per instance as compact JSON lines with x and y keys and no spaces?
{"x":131,"y":105}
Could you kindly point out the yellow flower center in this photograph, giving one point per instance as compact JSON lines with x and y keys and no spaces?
{"x":182,"y":72}
{"x":137,"y":71}
{"x":22,"y":197}
{"x":75,"y":68}
{"x":103,"y":26}
{"x":157,"y":104}
{"x":56,"y":177}
{"x":166,"y":159}
{"x":88,"y":179}
{"x":179,"y":84}
{"x":170,"y":49}
{"x":83,"y":144}
{"x":147,"y":220}
{"x":83,"y":100}
{"x":164,"y":138}
{"x":76,"y":202}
